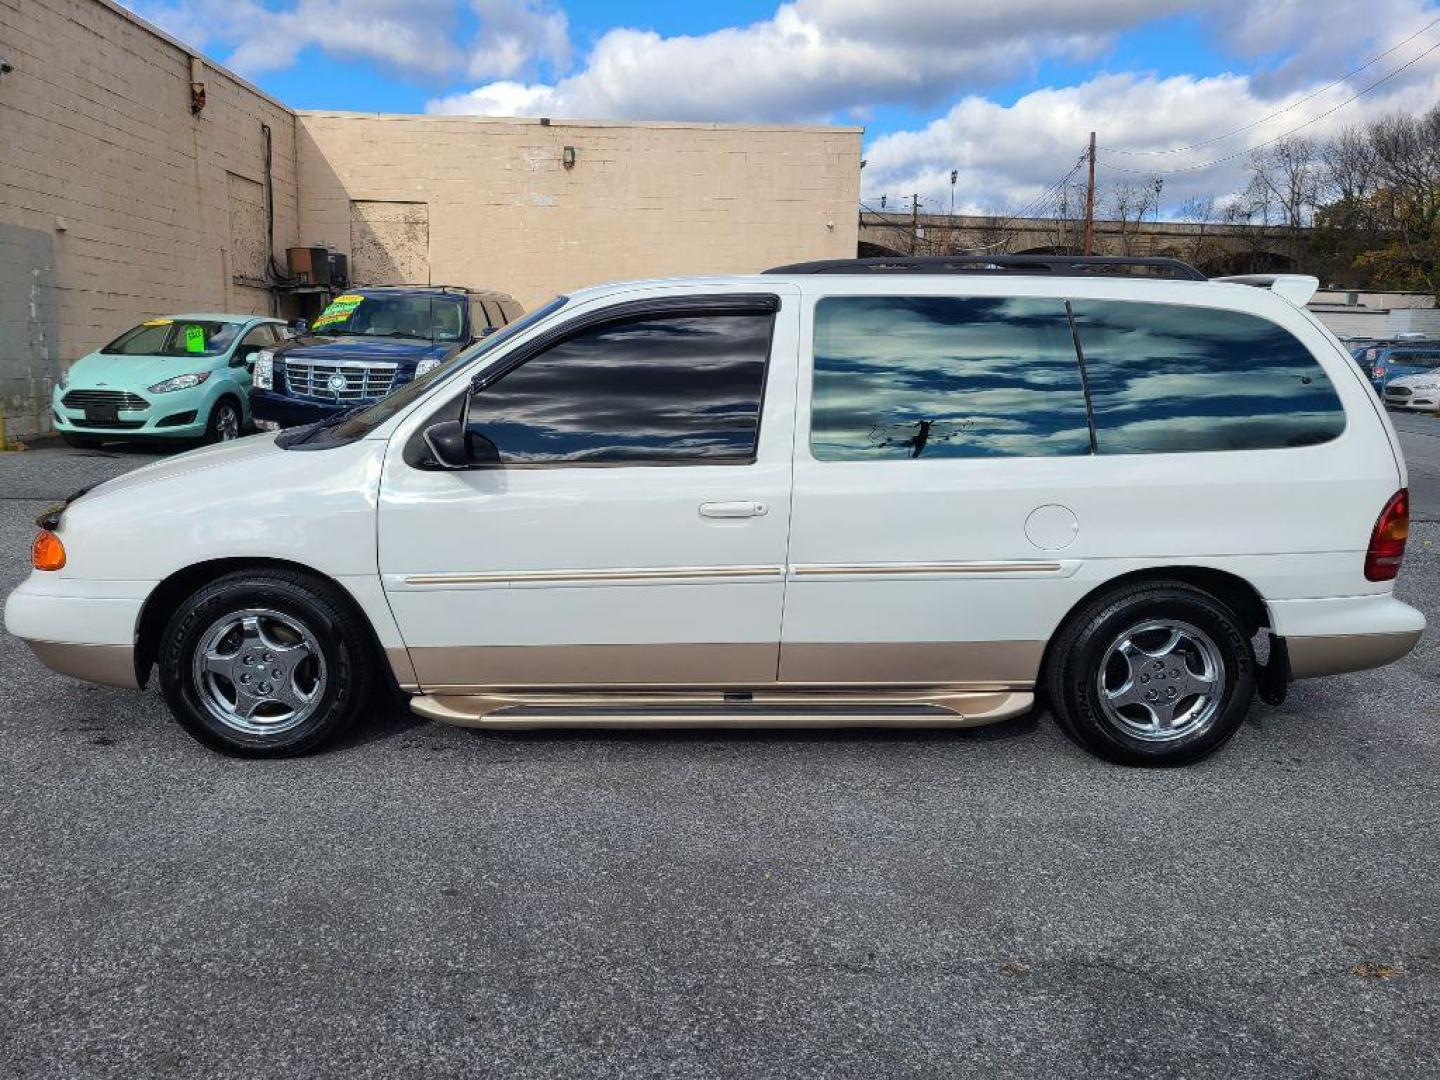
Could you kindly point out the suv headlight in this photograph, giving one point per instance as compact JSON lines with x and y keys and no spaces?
{"x":430,"y":363}
{"x":180,"y":382}
{"x":262,"y":375}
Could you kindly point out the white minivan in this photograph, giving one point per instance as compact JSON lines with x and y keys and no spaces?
{"x":867,"y":492}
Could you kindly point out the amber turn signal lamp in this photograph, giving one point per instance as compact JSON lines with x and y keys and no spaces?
{"x":47,"y":553}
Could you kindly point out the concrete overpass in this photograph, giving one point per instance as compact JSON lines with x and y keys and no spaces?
{"x":1213,"y":247}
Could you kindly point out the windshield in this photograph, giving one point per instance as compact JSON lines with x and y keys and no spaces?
{"x":428,"y":318}
{"x":348,"y":427}
{"x":175,"y":337}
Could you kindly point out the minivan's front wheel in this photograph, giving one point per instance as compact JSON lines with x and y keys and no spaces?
{"x":1153,"y":674}
{"x":265,"y":664}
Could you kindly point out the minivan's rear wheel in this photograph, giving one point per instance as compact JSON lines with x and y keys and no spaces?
{"x":1153,"y":674}
{"x":265,"y":663}
{"x":224,"y":422}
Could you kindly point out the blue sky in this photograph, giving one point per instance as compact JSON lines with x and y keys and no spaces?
{"x":1002,"y":90}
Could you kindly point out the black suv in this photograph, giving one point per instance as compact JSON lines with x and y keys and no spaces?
{"x":367,"y":342}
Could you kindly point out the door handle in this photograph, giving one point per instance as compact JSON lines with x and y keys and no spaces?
{"x":742,"y":509}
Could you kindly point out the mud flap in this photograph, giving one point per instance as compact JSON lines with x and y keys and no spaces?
{"x":1273,"y":680}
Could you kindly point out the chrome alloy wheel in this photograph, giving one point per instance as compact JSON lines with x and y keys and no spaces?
{"x":259,"y":671}
{"x":1162,"y":680}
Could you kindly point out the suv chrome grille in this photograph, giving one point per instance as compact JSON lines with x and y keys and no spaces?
{"x":120,"y":399}
{"x":321,"y":379}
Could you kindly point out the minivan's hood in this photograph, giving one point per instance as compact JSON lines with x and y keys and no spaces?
{"x":112,"y":372}
{"x":364,"y":347}
{"x":206,"y":457}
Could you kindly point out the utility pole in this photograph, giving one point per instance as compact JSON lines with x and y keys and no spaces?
{"x":914,"y":222}
{"x":1090,"y":201}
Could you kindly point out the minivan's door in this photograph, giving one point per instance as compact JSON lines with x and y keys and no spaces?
{"x":634,"y":530}
{"x":938,"y":425}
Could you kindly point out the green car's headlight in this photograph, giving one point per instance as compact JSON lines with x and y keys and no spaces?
{"x":180,"y":382}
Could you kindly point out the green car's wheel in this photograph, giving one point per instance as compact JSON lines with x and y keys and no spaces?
{"x":224,"y":422}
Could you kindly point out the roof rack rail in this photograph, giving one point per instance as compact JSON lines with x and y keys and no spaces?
{"x":1058,"y":265}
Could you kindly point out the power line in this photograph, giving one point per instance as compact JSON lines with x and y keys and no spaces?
{"x":1278,"y":112}
{"x":1284,"y":134}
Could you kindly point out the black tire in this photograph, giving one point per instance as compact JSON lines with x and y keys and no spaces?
{"x":227,"y":421}
{"x":80,"y":442}
{"x":1073,"y":675}
{"x":317,"y":606}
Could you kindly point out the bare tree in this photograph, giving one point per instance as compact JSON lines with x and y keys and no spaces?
{"x":1202,"y":215}
{"x":1407,"y":168}
{"x":1285,"y":179}
{"x":1128,"y":204}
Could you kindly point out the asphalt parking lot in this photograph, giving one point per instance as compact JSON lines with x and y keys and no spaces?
{"x":429,"y":901}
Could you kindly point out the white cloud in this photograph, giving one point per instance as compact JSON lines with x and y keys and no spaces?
{"x":814,"y":59}
{"x":516,"y":33}
{"x":1008,"y":155}
{"x":414,"y":37}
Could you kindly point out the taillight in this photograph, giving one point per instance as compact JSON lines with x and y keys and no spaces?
{"x":1387,"y":542}
{"x":1380,"y":373}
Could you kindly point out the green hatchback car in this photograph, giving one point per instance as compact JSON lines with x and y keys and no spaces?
{"x":181,"y":377}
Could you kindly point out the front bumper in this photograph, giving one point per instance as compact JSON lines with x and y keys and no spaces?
{"x":180,"y":414}
{"x":85,"y":636}
{"x":1345,"y":633}
{"x":292,"y":412}
{"x":1427,"y":401}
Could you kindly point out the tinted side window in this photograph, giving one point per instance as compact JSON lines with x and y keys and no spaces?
{"x":654,"y":390}
{"x":1165,"y":378}
{"x":937,"y":377}
{"x":492,"y":314}
{"x":511,"y":310}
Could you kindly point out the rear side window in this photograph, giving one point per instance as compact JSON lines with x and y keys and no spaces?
{"x":945,"y":377}
{"x":492,"y":313}
{"x":675,"y":389}
{"x":511,"y":310}
{"x":1166,"y":378}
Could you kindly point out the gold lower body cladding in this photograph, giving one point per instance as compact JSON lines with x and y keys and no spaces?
{"x":592,"y":707}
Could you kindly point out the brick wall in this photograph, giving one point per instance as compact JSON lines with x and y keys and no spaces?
{"x":116,"y":202}
{"x":642,"y":200}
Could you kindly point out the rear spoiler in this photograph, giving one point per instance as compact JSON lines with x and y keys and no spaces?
{"x":1297,"y":288}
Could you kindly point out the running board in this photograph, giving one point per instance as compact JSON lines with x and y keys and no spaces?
{"x":590,"y":709}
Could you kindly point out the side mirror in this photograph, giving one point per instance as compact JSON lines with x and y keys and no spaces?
{"x":448,"y":444}
{"x":296,"y":327}
{"x":453,"y":446}
{"x":243,"y":356}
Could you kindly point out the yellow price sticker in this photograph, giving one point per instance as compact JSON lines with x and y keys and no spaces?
{"x":158,"y":322}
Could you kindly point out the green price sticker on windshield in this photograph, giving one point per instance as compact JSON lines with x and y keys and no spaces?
{"x":194,"y":339}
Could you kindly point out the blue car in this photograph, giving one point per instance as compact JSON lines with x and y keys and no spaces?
{"x":366,"y":343}
{"x":1383,"y":362}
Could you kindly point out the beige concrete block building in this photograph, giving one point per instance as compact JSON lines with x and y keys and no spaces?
{"x":140,"y":179}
